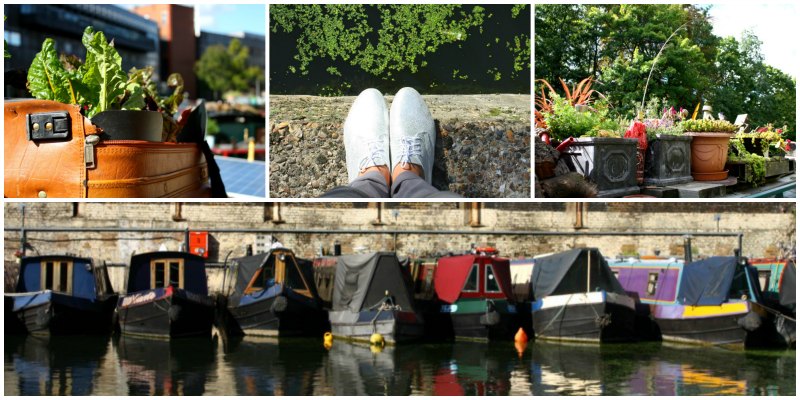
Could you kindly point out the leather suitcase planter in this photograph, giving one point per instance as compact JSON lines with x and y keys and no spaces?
{"x":52,"y":151}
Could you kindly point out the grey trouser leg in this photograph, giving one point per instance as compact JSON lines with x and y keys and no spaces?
{"x":370,"y":185}
{"x":411,"y":185}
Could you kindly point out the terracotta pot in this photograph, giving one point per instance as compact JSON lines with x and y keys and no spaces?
{"x":709,"y":154}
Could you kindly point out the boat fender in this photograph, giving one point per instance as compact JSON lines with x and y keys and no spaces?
{"x":750,"y":322}
{"x":376,"y":339}
{"x":490,"y":318}
{"x":279,"y":305}
{"x":327,"y":340}
{"x":174,"y":312}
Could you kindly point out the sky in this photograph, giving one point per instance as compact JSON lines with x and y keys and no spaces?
{"x":775,"y":24}
{"x":230,"y":19}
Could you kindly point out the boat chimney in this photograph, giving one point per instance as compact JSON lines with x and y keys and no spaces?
{"x":687,"y":248}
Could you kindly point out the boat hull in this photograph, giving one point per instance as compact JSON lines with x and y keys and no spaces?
{"x":584,"y":317}
{"x":480,"y":319}
{"x":282,"y":314}
{"x":165,"y":313}
{"x":46,"y":312}
{"x":394,"y":326}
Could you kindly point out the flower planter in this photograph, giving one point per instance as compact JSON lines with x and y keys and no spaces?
{"x":709,"y":154}
{"x":609,"y":163}
{"x":668,"y":161}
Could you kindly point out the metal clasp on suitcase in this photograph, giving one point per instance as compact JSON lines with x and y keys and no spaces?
{"x":48,"y":126}
{"x":88,"y":150}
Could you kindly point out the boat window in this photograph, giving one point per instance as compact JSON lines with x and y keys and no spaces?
{"x":57,"y":276}
{"x":491,"y":280}
{"x":763,"y":279}
{"x":164,"y":273}
{"x":293,"y":278}
{"x":616,"y":275}
{"x":652,"y":283}
{"x":471,"y":285}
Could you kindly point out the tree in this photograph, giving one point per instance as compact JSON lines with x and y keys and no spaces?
{"x":225,"y":69}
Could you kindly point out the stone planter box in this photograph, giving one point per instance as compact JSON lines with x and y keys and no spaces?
{"x":609,"y":163}
{"x":668,"y":161}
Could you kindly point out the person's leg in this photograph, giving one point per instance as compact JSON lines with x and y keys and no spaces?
{"x":366,"y":143}
{"x":370,"y":184}
{"x":408,"y":184}
{"x":413,"y":142}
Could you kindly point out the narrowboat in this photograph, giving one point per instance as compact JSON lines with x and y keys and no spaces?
{"x":60,"y":295}
{"x":715,"y":301}
{"x":372,"y":294}
{"x":474,"y":293}
{"x":167,"y":296}
{"x":274,"y":295}
{"x":576,"y":298}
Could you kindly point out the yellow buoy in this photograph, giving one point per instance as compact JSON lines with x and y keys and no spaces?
{"x":521,"y":336}
{"x":327,"y":340}
{"x":376,"y":339}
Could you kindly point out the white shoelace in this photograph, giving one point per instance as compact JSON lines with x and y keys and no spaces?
{"x":410,"y":146}
{"x":376,"y":156}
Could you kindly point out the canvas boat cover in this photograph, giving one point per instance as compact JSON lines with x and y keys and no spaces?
{"x":566,"y":273}
{"x":787,"y":287}
{"x":707,"y":282}
{"x":361,"y":282}
{"x":245,"y":267}
{"x":452,"y":272}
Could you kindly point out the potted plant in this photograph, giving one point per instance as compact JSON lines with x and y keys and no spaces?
{"x":757,"y":155}
{"x":124,"y":106}
{"x":710,"y":140}
{"x":599,"y":152}
{"x":668,"y":154}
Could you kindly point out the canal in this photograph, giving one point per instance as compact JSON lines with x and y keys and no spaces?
{"x":79,"y":366}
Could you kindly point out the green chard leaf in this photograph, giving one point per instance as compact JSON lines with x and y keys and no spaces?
{"x":171,"y":103}
{"x":47,"y":78}
{"x":102,"y":72}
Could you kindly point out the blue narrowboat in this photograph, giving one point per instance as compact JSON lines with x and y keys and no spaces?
{"x":274,"y":295}
{"x":167,"y":296}
{"x":60,"y":295}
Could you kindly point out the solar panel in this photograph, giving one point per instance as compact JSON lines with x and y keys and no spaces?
{"x":243,"y":178}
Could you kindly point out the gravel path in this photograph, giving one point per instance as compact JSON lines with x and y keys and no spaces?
{"x":483,"y":146}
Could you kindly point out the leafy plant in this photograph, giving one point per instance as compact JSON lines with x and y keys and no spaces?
{"x":705,"y":125}
{"x":757,"y":163}
{"x":6,"y":54}
{"x":98,"y":84}
{"x":566,"y":120}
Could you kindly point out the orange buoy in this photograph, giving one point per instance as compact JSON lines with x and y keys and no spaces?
{"x":521,"y":336}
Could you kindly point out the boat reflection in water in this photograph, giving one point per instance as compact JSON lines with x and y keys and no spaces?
{"x":355,"y":369}
{"x":478,"y":369}
{"x":263,"y":366}
{"x":53,"y":365}
{"x":166,"y":367}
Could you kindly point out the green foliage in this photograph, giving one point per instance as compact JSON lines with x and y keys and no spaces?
{"x":757,"y":163}
{"x":566,"y":120}
{"x":617,"y":45}
{"x":98,"y":84}
{"x":212,"y":126}
{"x":701,"y":125}
{"x":226,"y":68}
{"x":6,"y":54}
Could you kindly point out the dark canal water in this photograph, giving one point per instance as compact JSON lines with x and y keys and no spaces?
{"x":125,"y":366}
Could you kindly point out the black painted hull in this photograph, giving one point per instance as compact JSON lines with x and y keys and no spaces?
{"x":600,"y":322}
{"x":64,"y":315}
{"x":168,"y":317}
{"x":715,"y":331}
{"x":266,"y":318}
{"x":473,"y":326}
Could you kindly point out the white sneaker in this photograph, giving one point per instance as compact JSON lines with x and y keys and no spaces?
{"x":413,"y":134}
{"x":366,"y":133}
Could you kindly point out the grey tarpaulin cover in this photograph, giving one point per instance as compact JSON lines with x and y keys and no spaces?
{"x":565,"y":273}
{"x":362,"y":280}
{"x":707,"y":282}
{"x":788,"y":288}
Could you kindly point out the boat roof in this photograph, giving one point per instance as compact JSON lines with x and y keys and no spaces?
{"x":708,"y":281}
{"x":788,"y":285}
{"x":361,"y":282}
{"x":566,"y":273}
{"x":452,"y":272}
{"x":246,"y":267}
{"x":194,"y":274}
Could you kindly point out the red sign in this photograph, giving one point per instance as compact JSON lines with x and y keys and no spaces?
{"x":198,"y":243}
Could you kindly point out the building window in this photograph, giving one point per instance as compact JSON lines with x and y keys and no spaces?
{"x":652,"y":283}
{"x":57,"y":276}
